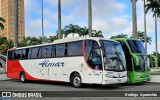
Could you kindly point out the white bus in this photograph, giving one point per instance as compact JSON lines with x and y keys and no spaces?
{"x":75,"y":60}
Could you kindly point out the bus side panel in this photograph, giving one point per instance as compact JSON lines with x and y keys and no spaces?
{"x":13,"y":69}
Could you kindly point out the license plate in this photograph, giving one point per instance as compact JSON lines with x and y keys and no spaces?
{"x":119,"y":80}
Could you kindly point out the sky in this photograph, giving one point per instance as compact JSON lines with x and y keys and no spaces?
{"x":112,"y":17}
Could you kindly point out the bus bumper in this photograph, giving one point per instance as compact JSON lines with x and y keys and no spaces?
{"x":114,"y":80}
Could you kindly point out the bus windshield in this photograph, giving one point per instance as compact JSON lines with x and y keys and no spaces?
{"x":114,"y":58}
{"x":136,"y":46}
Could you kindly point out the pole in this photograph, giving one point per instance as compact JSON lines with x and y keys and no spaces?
{"x":42,"y":25}
{"x":16,"y":23}
{"x":145,"y":33}
{"x":156,"y":40}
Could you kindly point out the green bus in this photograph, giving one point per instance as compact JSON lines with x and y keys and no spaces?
{"x":137,"y":60}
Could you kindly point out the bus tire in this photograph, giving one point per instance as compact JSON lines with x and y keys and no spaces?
{"x":23,"y":77}
{"x":76,"y":80}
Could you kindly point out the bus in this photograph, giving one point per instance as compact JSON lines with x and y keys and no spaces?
{"x":74,"y":60}
{"x":137,"y":59}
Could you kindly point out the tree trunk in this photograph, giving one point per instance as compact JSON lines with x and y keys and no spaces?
{"x":59,"y":20}
{"x":156,"y":40}
{"x":42,"y":25}
{"x":90,"y":17}
{"x":134,"y":19}
{"x":16,"y":23}
{"x":145,"y":34}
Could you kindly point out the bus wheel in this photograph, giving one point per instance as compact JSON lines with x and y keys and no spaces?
{"x":23,"y":77}
{"x":76,"y":81}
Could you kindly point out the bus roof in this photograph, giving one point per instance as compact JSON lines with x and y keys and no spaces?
{"x":64,"y":41}
{"x":125,"y":39}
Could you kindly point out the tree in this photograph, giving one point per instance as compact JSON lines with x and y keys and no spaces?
{"x":134,"y":19}
{"x":120,"y":36}
{"x":141,"y":36}
{"x":59,"y":20}
{"x":52,"y":38}
{"x":90,"y":17}
{"x":83,"y":31}
{"x":154,"y":5}
{"x":1,"y":23}
{"x":97,"y":33}
{"x":71,"y":28}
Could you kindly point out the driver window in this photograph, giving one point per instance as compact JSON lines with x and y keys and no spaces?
{"x":93,"y":54}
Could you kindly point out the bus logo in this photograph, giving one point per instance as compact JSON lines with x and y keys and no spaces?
{"x":46,"y":63}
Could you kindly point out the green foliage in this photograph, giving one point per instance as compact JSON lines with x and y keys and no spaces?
{"x":140,"y":37}
{"x":5,"y":45}
{"x":154,"y":5}
{"x":75,"y":29}
{"x":158,"y":57}
{"x":120,"y":36}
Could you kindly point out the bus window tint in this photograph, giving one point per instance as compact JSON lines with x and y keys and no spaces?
{"x":10,"y":55}
{"x":75,"y":48}
{"x":17,"y":54}
{"x":46,"y":51}
{"x":137,"y":46}
{"x":88,"y":49}
{"x":36,"y":53}
{"x":25,"y":53}
{"x":60,"y":50}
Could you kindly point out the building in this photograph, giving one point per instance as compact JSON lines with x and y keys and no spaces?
{"x":7,"y":12}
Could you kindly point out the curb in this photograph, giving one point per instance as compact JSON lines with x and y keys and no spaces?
{"x":3,"y":77}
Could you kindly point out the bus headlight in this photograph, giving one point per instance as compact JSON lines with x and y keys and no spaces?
{"x":138,"y":76}
{"x":109,"y":76}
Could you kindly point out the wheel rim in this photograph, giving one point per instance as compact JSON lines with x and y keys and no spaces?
{"x":22,"y":78}
{"x":77,"y":81}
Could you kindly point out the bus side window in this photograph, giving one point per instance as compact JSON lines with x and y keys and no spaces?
{"x":36,"y":53}
{"x":46,"y":51}
{"x":25,"y":53}
{"x":60,"y":50}
{"x":10,"y":55}
{"x":17,"y":54}
{"x":74,"y":48}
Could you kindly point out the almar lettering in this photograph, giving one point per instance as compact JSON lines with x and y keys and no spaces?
{"x":46,"y":63}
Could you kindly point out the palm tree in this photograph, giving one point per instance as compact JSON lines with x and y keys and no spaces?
{"x":154,"y":5}
{"x":1,"y":23}
{"x":134,"y":19}
{"x":145,"y":33}
{"x":59,"y":20}
{"x":90,"y":17}
{"x":120,"y":36}
{"x":141,"y":36}
{"x":84,"y":31}
{"x":52,"y":38}
{"x":97,"y":33}
{"x":71,"y":28}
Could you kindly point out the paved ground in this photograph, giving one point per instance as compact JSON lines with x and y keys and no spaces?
{"x":114,"y":90}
